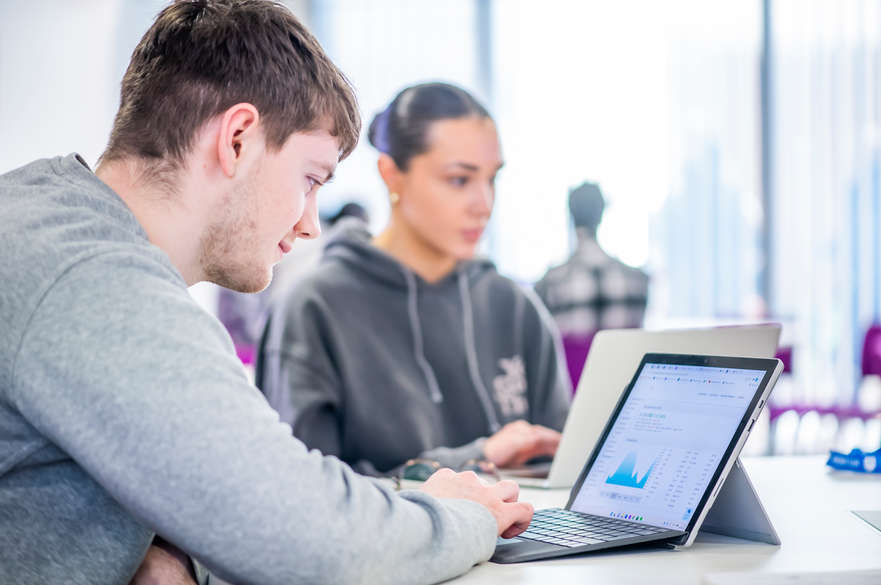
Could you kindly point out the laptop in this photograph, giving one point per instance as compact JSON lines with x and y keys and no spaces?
{"x":661,"y":460}
{"x":614,"y":355}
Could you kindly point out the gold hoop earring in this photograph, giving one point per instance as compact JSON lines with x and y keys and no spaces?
{"x":394,"y":198}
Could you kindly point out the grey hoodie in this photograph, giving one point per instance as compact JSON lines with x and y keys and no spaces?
{"x":369,"y":362}
{"x":124,"y":412}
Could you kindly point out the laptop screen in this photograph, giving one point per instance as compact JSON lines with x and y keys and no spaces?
{"x":666,"y":443}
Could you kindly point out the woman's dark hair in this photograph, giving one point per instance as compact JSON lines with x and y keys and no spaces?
{"x":401,"y":130}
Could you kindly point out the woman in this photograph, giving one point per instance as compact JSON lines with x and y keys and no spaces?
{"x":404,"y":345}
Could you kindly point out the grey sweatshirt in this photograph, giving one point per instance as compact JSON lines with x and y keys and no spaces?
{"x":124,"y":413}
{"x":369,"y":362}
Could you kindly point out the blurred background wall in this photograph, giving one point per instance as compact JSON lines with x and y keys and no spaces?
{"x":737,"y":145}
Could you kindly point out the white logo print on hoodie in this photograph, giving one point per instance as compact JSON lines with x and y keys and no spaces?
{"x":510,"y":387}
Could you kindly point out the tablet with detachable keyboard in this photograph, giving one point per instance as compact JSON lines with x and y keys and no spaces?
{"x":664,"y":455}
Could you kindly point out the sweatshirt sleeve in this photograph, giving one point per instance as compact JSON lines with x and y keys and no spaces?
{"x":141,"y":388}
{"x":456,"y":456}
{"x":297,"y":375}
{"x":546,"y":372}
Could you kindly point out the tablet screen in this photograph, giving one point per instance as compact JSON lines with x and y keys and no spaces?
{"x":667,"y":442}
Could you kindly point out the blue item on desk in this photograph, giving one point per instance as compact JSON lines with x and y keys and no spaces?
{"x":856,"y":460}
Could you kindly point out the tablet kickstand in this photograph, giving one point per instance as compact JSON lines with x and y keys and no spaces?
{"x":738,"y":512}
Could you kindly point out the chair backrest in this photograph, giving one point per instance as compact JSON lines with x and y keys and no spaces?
{"x":576,"y":348}
{"x":784,"y":354}
{"x":871,"y":361}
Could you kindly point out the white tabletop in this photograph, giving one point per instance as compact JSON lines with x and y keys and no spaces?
{"x":809,"y":506}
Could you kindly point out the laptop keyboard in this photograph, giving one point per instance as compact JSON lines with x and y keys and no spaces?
{"x":570,"y":529}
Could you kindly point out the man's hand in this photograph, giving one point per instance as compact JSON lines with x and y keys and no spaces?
{"x":501,"y":498}
{"x":517,"y":442}
{"x":160,"y":567}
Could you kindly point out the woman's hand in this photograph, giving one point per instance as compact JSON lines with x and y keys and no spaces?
{"x":519,"y":441}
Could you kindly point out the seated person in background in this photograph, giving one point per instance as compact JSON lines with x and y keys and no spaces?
{"x":350,"y":209}
{"x":592,"y":290}
{"x":124,"y":412}
{"x":404,"y":346}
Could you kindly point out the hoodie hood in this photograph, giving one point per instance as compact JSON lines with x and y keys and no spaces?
{"x":350,"y":242}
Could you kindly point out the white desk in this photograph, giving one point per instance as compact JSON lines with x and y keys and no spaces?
{"x":809,"y":507}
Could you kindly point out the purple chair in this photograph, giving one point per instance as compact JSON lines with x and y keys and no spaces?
{"x":576,"y":348}
{"x":784,"y":354}
{"x":871,"y":361}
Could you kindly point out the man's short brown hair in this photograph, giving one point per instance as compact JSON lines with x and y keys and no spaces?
{"x":201,"y":57}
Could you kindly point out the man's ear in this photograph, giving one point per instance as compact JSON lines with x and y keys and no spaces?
{"x":390,"y":173}
{"x":238,"y":131}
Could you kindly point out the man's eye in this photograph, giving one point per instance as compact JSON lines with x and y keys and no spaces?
{"x":458,"y":181}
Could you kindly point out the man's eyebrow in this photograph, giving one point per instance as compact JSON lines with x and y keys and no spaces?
{"x":327,"y":168}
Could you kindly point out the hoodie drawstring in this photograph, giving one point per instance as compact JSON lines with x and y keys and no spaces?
{"x":471,"y":354}
{"x":412,"y":312}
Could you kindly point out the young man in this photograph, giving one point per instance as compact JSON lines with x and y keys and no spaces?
{"x":124,"y":413}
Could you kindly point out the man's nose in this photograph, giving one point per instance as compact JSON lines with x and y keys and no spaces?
{"x":309,"y":226}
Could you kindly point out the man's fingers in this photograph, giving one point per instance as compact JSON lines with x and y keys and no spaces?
{"x":512,"y":531}
{"x":516,"y":518}
{"x":506,"y":489}
{"x":501,"y":498}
